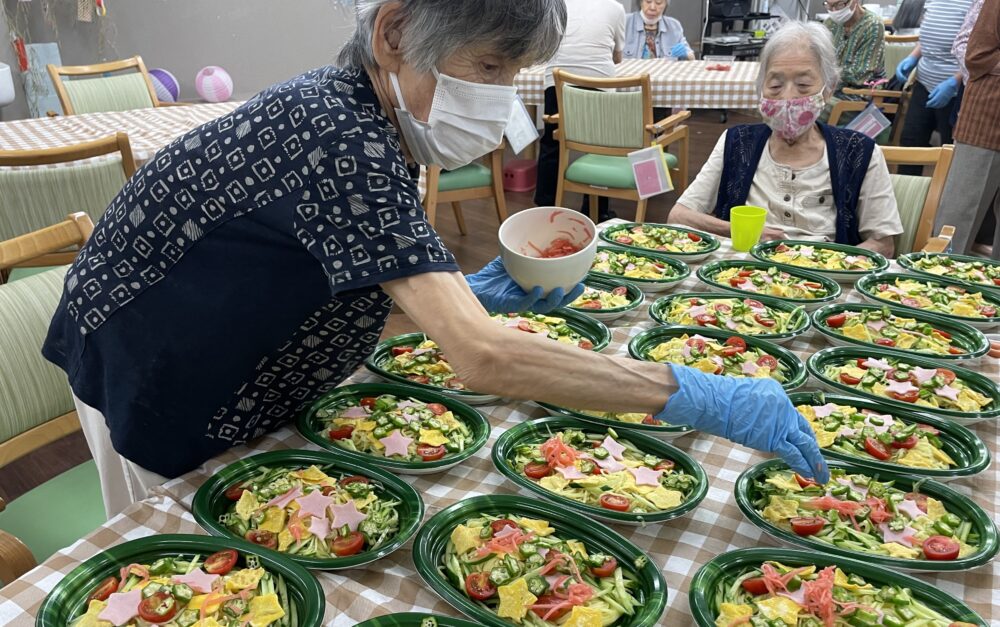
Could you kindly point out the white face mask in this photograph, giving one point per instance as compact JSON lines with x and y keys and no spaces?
{"x":466,"y":121}
{"x":841,"y":16}
{"x":650,"y":22}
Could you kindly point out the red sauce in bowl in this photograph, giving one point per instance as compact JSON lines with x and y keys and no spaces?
{"x":560,"y":247}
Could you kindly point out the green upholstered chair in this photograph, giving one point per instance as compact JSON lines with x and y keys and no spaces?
{"x":39,"y":187}
{"x":892,"y":103}
{"x":115,"y":86}
{"x":917,"y":197}
{"x":897,"y":48}
{"x":605,"y":126}
{"x":476,"y":180}
{"x":36,"y":405}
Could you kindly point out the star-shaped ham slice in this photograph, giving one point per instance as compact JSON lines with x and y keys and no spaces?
{"x":646,"y":476}
{"x":881,"y":364}
{"x":613,"y":447}
{"x":900,"y":387}
{"x":122,"y":607}
{"x":570,"y":472}
{"x":319,"y":527}
{"x":314,"y":504}
{"x":199,"y":580}
{"x":286,"y":498}
{"x":396,"y":444}
{"x":347,"y":514}
{"x":910,"y":508}
{"x":824,"y":411}
{"x":948,"y":392}
{"x":923,"y":375}
{"x":609,"y":463}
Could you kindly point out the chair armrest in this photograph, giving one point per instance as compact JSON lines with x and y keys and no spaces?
{"x":15,"y":558}
{"x":668,"y":138}
{"x":551,"y":119}
{"x":875,"y":93}
{"x":161,"y":103}
{"x":52,"y":114}
{"x":3,"y":504}
{"x":668,"y":122}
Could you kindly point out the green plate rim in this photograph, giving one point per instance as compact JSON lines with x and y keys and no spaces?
{"x":955,"y":436}
{"x":683,"y":270}
{"x":614,"y":424}
{"x":413,"y":619}
{"x":758,"y":251}
{"x":711,"y":267}
{"x":430,"y":541}
{"x":513,"y":436}
{"x":816,"y":362}
{"x":787,"y":357}
{"x":958,"y":330}
{"x":656,"y":307}
{"x":703,"y":585}
{"x":216,"y":484}
{"x":478,"y":423}
{"x":863,"y":285}
{"x":713,"y":246}
{"x":906,"y":261}
{"x":306,"y":589}
{"x":636,"y":297}
{"x":989,"y":542}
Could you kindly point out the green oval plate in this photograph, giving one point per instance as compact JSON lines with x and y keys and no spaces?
{"x":68,"y":599}
{"x":310,"y":426}
{"x":969,"y":339}
{"x":962,"y":445}
{"x":647,"y":285}
{"x":710,"y":242}
{"x":818,"y":362}
{"x":866,"y":284}
{"x":633,"y":293}
{"x":645,"y":341}
{"x":413,"y":619}
{"x":430,"y":545}
{"x":541,"y":429}
{"x":661,"y":431}
{"x":210,"y":501}
{"x":660,"y":308}
{"x":707,"y":271}
{"x":764,"y":250}
{"x":705,"y":586}
{"x":909,"y":260}
{"x":952,"y":500}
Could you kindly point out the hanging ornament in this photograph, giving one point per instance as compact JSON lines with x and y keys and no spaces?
{"x":102,"y":8}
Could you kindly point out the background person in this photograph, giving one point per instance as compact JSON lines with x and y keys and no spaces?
{"x":859,"y":38}
{"x":649,"y":34}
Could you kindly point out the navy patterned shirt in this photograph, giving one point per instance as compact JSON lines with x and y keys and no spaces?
{"x":235,"y":276}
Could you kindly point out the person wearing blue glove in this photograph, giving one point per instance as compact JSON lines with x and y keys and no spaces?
{"x":905,"y":67}
{"x":942,"y":95}
{"x":649,"y":34}
{"x":680,"y":50}
{"x":498,"y":293}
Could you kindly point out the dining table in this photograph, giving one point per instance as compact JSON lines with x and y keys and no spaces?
{"x":678,"y":547}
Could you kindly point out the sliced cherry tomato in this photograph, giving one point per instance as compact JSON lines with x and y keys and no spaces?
{"x":763,"y":320}
{"x":908,"y":443}
{"x":723,"y":308}
{"x":988,"y":310}
{"x":755,"y":586}
{"x":104,"y":589}
{"x":649,"y":420}
{"x":591,"y":304}
{"x":812,"y":285}
{"x":694,"y":237}
{"x":928,"y":429}
{"x":537,"y":470}
{"x":614,"y":502}
{"x":222,"y":562}
{"x":943,"y":334}
{"x":419,"y":378}
{"x":884,"y":341}
{"x":401,"y":350}
{"x":235,"y":491}
{"x":620,"y":291}
{"x":996,"y":281}
{"x":351,"y":544}
{"x":499,"y":525}
{"x":803,"y":482}
{"x":368,"y":402}
{"x":430,"y":453}
{"x":909,"y":302}
{"x":479,"y":587}
{"x":861,"y":363}
{"x":666,"y":465}
{"x":807,"y":525}
{"x":734,"y":346}
{"x":736,"y":281}
{"x":697,"y":344}
{"x":745,"y":273}
{"x":544,"y":610}
{"x":158,"y":608}
{"x":919,"y":499}
{"x":908,"y":397}
{"x":876,"y":449}
{"x":753,"y":304}
{"x":524,"y":325}
{"x":767,"y":361}
{"x":624,"y":239}
{"x":606,"y":569}
{"x":348,"y":480}
{"x":586,"y":345}
{"x":706,"y":320}
{"x":848,"y":379}
{"x":941,"y":548}
{"x":781,"y":248}
{"x":836,"y":320}
{"x":343,"y":432}
{"x":947,"y":375}
{"x":954,"y":350}
{"x":437,"y":408}
{"x":267,"y":539}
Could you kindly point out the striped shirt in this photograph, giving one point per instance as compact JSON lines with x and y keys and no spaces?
{"x":938,"y":30}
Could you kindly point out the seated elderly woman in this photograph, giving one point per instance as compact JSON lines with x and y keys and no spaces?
{"x":649,"y":34}
{"x":817,"y":182}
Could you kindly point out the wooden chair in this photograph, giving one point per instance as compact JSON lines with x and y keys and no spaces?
{"x":36,"y":407}
{"x":469,"y":182}
{"x":896,"y":51}
{"x":606,"y":126}
{"x":941,"y":241}
{"x":918,"y":197}
{"x":901,"y":39}
{"x":90,"y":89}
{"x":896,"y":111}
{"x":34,"y":194}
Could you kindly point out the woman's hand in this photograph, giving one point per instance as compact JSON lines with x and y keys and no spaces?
{"x":500,"y":294}
{"x":770,"y":233}
{"x":680,"y":50}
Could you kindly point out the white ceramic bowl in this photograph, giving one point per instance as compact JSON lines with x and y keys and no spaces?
{"x":526,"y":233}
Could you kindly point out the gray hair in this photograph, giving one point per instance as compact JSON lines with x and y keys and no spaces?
{"x":526,"y":31}
{"x":812,"y":35}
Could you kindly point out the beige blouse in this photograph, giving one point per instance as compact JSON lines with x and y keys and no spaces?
{"x":800,"y":201}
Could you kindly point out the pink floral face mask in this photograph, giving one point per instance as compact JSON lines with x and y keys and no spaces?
{"x":789,"y":119}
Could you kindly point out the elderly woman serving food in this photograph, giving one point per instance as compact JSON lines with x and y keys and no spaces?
{"x":817,"y":181}
{"x":250,"y":265}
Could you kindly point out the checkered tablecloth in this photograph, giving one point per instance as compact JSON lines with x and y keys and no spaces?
{"x":679,"y":547}
{"x":148,"y":129}
{"x":682,"y":84}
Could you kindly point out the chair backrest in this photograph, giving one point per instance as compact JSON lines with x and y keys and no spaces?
{"x":592,"y":119}
{"x":895,"y":53}
{"x":917,"y":197}
{"x":90,"y":88}
{"x":39,"y":187}
{"x":75,"y":230}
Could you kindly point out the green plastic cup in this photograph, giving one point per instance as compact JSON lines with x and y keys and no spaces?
{"x":746,"y":223}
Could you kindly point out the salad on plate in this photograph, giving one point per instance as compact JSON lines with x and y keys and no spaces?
{"x":972,"y":271}
{"x":883,"y":328}
{"x":597,"y":299}
{"x":772,"y":282}
{"x":658,"y":237}
{"x":938,"y":298}
{"x":741,"y":315}
{"x":733,"y":358}
{"x":818,"y":257}
{"x":621,"y":263}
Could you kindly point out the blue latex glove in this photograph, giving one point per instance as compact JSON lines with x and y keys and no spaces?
{"x":943,"y":93}
{"x":680,"y":50}
{"x":751,"y":412}
{"x":905,"y":67}
{"x":500,"y":294}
